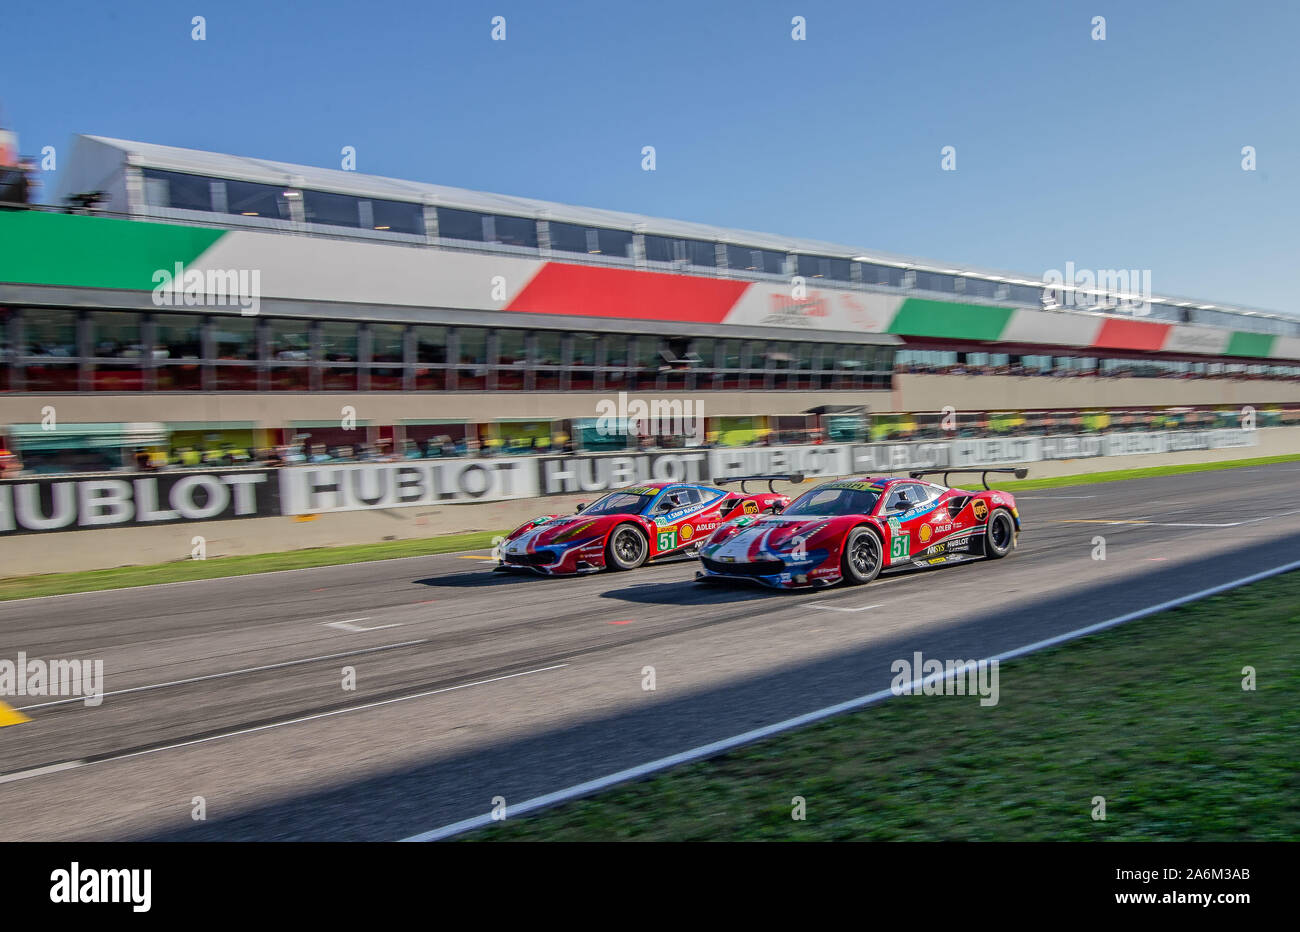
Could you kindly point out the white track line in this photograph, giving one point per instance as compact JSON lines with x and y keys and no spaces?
{"x":831,"y":608}
{"x":217,"y":676}
{"x":727,"y":744}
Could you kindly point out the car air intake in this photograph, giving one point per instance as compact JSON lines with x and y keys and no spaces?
{"x":753,"y":568}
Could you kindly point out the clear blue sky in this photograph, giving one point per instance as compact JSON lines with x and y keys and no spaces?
{"x":1117,"y":154}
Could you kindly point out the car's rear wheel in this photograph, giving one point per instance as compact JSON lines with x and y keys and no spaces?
{"x":1000,"y":535}
{"x":863,"y":556}
{"x":627,"y":548}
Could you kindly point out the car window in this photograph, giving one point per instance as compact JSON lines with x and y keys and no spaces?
{"x":854,"y":498}
{"x":905,"y":495}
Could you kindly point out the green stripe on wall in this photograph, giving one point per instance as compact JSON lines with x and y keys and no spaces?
{"x":39,"y":248}
{"x":921,"y":318}
{"x":1250,"y":344}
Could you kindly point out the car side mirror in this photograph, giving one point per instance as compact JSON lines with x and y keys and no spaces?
{"x":581,"y":505}
{"x":776,"y":508}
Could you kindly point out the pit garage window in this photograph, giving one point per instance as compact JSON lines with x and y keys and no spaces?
{"x":256,"y":200}
{"x":178,"y":190}
{"x":340,"y":210}
{"x":461,"y":225}
{"x":572,"y":237}
{"x":397,"y":217}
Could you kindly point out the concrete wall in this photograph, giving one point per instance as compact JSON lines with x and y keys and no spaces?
{"x":102,"y":549}
{"x":1016,"y":393}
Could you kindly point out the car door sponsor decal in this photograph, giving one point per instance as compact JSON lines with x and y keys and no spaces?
{"x":980,"y":510}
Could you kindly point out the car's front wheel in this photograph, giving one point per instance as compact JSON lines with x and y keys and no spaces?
{"x":627,"y":548}
{"x":1000,"y":535}
{"x":863,"y":557}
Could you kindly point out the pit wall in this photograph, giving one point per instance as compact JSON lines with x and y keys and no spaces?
{"x":23,"y":554}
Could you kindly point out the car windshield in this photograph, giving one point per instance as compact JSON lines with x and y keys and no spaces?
{"x":622,"y":502}
{"x":840,"y":498}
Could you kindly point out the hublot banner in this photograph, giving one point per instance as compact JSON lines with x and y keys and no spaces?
{"x":29,"y":506}
{"x":38,"y":505}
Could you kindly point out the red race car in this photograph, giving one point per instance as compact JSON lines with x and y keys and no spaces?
{"x":851,"y":529}
{"x":626,"y":528}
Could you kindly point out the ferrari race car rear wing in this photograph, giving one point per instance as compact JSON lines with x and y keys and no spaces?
{"x":770,"y":480}
{"x":1018,"y":471}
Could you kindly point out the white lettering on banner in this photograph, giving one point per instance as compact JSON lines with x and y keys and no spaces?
{"x":1135,"y":443}
{"x":353,"y":487}
{"x":994,"y":452}
{"x":598,"y":473}
{"x":1221,"y":439}
{"x":1069,"y":448}
{"x":107,"y":502}
{"x":770,"y":461}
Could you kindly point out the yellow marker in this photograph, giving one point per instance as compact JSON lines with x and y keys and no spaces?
{"x":10,"y":716}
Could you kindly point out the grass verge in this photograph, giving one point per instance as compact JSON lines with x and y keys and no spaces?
{"x":1152,"y":716}
{"x":1118,"y":475}
{"x":21,"y":587}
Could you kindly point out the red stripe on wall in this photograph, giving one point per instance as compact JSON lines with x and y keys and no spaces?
{"x":584,"y":290}
{"x":1131,"y":334}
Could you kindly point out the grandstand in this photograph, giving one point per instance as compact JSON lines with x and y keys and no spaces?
{"x":455,"y":321}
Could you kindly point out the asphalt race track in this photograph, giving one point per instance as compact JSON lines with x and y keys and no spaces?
{"x":472,"y":685}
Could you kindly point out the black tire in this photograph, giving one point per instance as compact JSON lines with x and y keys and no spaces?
{"x":999,"y":535}
{"x":863,"y":556}
{"x":627,"y":548}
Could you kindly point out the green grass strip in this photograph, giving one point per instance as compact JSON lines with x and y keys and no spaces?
{"x":1151,"y":715}
{"x":21,"y":587}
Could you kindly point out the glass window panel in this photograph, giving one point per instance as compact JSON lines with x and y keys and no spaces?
{"x":616,"y":350}
{"x":839,"y":270}
{"x":549,"y":346}
{"x":338,"y":341}
{"x":178,"y":336}
{"x":431,"y":345}
{"x":568,"y":237}
{"x":774,"y":263}
{"x":473,"y":345}
{"x":234,"y":338}
{"x":584,"y":349}
{"x":614,"y":243}
{"x":873,"y":274}
{"x":744,"y":258}
{"x":340,"y":210}
{"x":289,"y":341}
{"x":115,"y":334}
{"x":659,"y":249}
{"x":256,"y":200}
{"x":178,"y":190}
{"x":510,"y":347}
{"x":701,"y":253}
{"x":460,"y":224}
{"x":810,"y":266}
{"x":386,"y":343}
{"x":50,"y":332}
{"x":398,"y":216}
{"x":935,"y":281}
{"x":516,"y":231}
